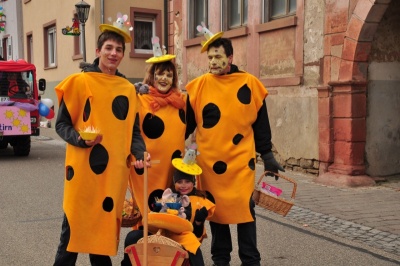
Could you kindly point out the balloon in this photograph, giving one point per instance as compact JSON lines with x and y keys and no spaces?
{"x":43,"y":110}
{"x":50,"y":115}
{"x":48,"y":102}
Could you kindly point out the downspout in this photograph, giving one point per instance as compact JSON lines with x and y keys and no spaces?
{"x":102,"y":12}
{"x":166,"y":24}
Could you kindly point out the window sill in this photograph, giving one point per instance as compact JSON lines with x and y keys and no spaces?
{"x":277,"y":24}
{"x":77,"y":57}
{"x":280,"y":82}
{"x":50,"y":67}
{"x":137,"y":55}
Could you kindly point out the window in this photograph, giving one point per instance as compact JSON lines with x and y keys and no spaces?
{"x":274,"y":9}
{"x":51,"y":41}
{"x":9,"y":49}
{"x":78,"y":41}
{"x":143,"y":31}
{"x":146,"y":24}
{"x":235,"y":14}
{"x":4,"y":48}
{"x":50,"y":45}
{"x":198,"y":10}
{"x":29,"y":47}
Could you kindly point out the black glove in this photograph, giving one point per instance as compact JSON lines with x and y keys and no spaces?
{"x":270,"y":164}
{"x":201,"y":215}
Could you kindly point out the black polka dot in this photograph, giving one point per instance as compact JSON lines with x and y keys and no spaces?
{"x":129,"y":161}
{"x":182,"y":116}
{"x":120,"y":107}
{"x":139,"y":171}
{"x":176,"y":154}
{"x":252,"y":164}
{"x":211,"y":115}
{"x":244,"y":94}
{"x":108,"y":204}
{"x":86,"y":111}
{"x":98,"y":159}
{"x":153,"y":126}
{"x":237,"y":138}
{"x":69,"y":173}
{"x":220,"y":167}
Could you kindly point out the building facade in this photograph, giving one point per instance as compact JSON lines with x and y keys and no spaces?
{"x":11,"y":45}
{"x":332,"y":71}
{"x":57,"y":52}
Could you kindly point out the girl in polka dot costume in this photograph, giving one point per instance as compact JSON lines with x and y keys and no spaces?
{"x":197,"y":212}
{"x":162,"y":124}
{"x":97,"y":171}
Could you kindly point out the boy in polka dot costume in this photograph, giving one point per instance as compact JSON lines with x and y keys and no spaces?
{"x":97,"y":171}
{"x":228,"y":108}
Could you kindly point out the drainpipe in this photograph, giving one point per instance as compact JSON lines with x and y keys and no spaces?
{"x":102,"y":12}
{"x":166,"y":24}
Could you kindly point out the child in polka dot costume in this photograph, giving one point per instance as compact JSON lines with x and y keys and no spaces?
{"x":227,"y":108}
{"x":197,"y":212}
{"x":97,"y":171}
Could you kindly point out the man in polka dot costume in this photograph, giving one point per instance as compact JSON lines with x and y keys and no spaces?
{"x":97,"y":171}
{"x":228,"y":108}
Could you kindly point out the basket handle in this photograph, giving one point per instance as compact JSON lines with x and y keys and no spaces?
{"x":280,"y":176}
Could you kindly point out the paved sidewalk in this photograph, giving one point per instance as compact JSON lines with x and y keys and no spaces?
{"x":370,"y":215}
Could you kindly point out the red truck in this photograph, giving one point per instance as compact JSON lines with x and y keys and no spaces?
{"x":19,"y":103}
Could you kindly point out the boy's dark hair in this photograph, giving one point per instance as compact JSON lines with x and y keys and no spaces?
{"x":159,"y":68}
{"x":110,"y":35}
{"x":225,"y":42}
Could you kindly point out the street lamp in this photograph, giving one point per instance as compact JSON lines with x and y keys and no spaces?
{"x":82,"y":10}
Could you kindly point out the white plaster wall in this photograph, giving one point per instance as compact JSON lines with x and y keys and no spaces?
{"x":13,"y":29}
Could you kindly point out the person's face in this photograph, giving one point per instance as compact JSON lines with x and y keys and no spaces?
{"x":184,"y":186}
{"x":163,"y":80}
{"x":110,"y":56}
{"x":218,"y":62}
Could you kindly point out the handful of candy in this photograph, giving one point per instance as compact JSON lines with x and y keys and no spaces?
{"x":89,"y":133}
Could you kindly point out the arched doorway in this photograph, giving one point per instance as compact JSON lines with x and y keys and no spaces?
{"x":343,"y":100}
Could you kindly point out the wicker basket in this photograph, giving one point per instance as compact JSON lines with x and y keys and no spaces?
{"x":133,"y":217}
{"x":273,"y":203}
{"x":160,"y":239}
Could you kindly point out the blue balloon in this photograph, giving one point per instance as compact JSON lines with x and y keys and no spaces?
{"x":43,"y":109}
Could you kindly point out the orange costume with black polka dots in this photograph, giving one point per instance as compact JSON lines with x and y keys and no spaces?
{"x":227,"y":106}
{"x":166,"y":126}
{"x":97,"y":177}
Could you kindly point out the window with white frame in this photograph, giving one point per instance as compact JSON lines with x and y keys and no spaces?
{"x":198,"y":10}
{"x":234,"y":14}
{"x":146,"y":24}
{"x":275,"y":9}
{"x":51,"y":46}
{"x":29,"y":46}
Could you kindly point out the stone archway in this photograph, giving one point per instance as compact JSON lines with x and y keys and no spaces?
{"x":342,"y":100}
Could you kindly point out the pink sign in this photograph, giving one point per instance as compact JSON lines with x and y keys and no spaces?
{"x":14,"y":121}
